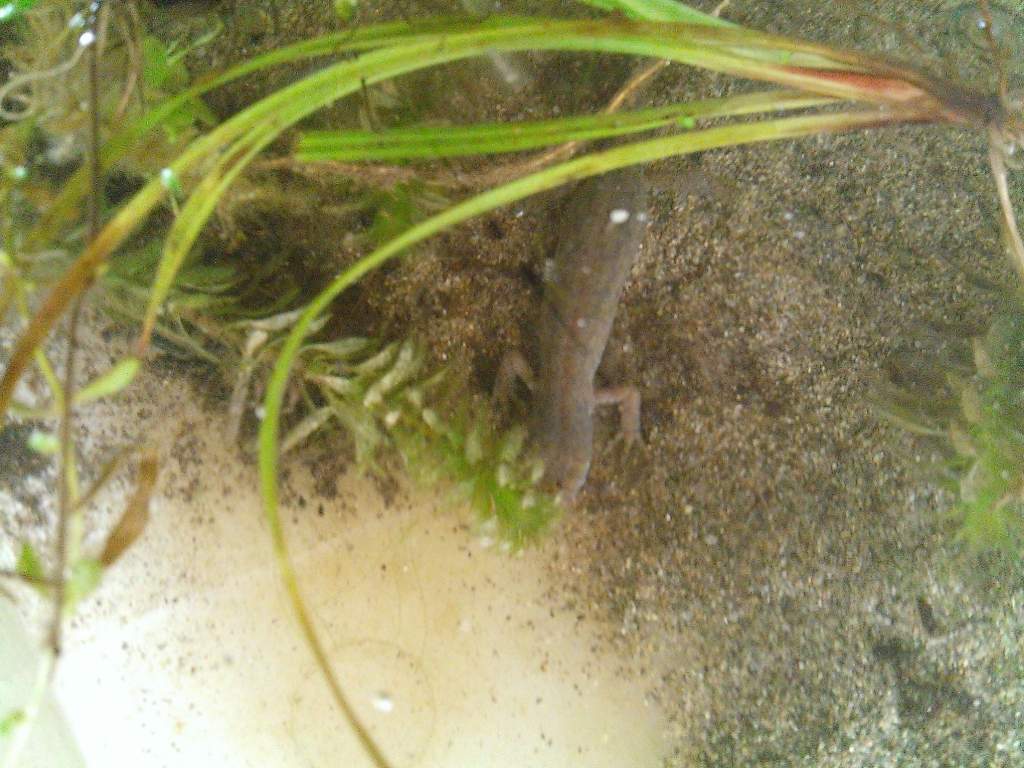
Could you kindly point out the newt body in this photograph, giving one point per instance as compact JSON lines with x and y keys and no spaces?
{"x":602,"y":231}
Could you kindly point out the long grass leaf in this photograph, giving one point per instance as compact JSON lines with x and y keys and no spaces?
{"x":689,"y":44}
{"x":752,"y":44}
{"x":658,"y":10}
{"x":434,"y":141}
{"x":190,"y":221}
{"x":110,"y":382}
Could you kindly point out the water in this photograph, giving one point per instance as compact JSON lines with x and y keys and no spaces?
{"x":451,"y":653}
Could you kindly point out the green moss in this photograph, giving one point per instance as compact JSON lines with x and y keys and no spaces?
{"x":971,"y":402}
{"x":385,"y":398}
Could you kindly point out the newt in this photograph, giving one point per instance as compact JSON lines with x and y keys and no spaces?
{"x":602,"y":230}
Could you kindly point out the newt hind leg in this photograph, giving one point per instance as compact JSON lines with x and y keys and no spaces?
{"x":512,"y":368}
{"x":627,"y":398}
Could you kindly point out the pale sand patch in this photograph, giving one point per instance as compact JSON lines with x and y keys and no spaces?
{"x":454,"y":654}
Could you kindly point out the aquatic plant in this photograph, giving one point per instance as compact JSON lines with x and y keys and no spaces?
{"x":990,"y":439}
{"x":966,"y":397}
{"x":382,"y":396}
{"x":843,"y":90}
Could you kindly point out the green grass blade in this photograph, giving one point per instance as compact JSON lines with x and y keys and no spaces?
{"x":334,"y":44}
{"x":746,"y":44}
{"x":434,"y":141}
{"x":658,"y":10}
{"x":699,"y":46}
{"x":191,"y":219}
{"x":109,"y":383}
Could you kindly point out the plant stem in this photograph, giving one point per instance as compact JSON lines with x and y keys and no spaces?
{"x":30,"y":712}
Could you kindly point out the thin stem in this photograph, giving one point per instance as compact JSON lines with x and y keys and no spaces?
{"x":998,"y":54}
{"x":21,"y":80}
{"x":7,"y":573}
{"x":67,"y":484}
{"x":65,"y":491}
{"x":30,"y":712}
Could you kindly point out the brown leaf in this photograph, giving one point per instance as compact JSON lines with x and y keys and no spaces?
{"x":136,"y":513}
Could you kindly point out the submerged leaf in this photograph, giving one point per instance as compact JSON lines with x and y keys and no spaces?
{"x":982,"y":359}
{"x":136,"y":513}
{"x":970,"y":404}
{"x":342,"y":349}
{"x":109,"y":383}
{"x":961,"y":441}
{"x":406,"y":364}
{"x":10,"y":721}
{"x":430,"y":142}
{"x":45,"y":443}
{"x":512,"y":444}
{"x":658,"y":10}
{"x":86,"y":575}
{"x":29,"y":566}
{"x":305,"y":428}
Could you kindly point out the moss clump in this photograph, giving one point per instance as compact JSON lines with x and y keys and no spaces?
{"x":384,"y":397}
{"x":969,"y":399}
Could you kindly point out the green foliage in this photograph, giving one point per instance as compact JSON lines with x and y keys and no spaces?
{"x":209,"y":300}
{"x":199,"y":286}
{"x":990,"y":441}
{"x":346,"y":9}
{"x":383,"y":398}
{"x":46,"y":85}
{"x":399,"y":208}
{"x":970,"y":401}
{"x":109,"y":382}
{"x":86,"y":574}
{"x":657,"y":10}
{"x":29,"y":566}
{"x":164,"y":73}
{"x":11,"y":10}
{"x":10,"y":721}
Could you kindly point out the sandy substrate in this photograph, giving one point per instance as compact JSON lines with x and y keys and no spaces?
{"x":773,"y":563}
